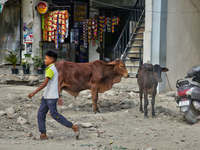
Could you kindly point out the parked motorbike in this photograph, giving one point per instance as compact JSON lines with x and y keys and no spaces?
{"x":188,"y":95}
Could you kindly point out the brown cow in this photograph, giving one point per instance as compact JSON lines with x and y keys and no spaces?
{"x":98,"y":76}
{"x":148,"y":77}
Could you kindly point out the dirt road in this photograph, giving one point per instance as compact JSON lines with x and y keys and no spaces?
{"x":119,"y":126}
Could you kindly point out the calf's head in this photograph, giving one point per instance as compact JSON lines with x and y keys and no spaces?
{"x":157,"y":70}
{"x":120,"y":67}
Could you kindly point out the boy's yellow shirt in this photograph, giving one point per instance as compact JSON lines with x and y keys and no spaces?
{"x":49,"y":73}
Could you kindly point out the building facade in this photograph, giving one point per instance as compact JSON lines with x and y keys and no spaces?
{"x":171,"y":38}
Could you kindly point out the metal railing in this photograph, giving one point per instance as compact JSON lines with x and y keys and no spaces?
{"x":127,"y":34}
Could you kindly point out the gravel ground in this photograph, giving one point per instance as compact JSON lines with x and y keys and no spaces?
{"x":119,"y":126}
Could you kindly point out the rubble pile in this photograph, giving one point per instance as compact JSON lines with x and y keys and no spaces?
{"x":21,"y":79}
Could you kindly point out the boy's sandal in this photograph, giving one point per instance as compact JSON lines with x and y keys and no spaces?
{"x":39,"y":138}
{"x":77,"y":133}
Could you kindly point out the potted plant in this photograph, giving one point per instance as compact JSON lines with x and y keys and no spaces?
{"x":12,"y":58}
{"x":38,"y":62}
{"x":26,"y":64}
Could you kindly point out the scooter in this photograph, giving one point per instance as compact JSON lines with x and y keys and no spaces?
{"x":188,"y":95}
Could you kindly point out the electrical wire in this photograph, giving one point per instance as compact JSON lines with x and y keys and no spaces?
{"x":113,"y":5}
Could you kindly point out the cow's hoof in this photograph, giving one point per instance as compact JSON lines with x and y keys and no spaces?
{"x":154,"y":116}
{"x":97,"y":112}
{"x":145,"y":117}
{"x":141,"y":112}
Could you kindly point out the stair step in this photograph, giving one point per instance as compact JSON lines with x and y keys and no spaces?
{"x":138,"y":33}
{"x":140,"y":27}
{"x":131,"y":59}
{"x":136,"y":39}
{"x":132,"y":74}
{"x":135,"y":50}
{"x":133,"y":53}
{"x":132,"y":69}
{"x":134,"y":46}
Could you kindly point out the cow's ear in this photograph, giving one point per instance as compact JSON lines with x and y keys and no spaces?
{"x":165,"y":69}
{"x":113,"y":62}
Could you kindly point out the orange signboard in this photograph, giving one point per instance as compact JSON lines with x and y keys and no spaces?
{"x":42,"y":7}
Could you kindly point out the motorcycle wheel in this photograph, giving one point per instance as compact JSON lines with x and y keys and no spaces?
{"x":191,"y":115}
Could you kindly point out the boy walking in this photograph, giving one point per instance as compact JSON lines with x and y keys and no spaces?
{"x":50,"y":98}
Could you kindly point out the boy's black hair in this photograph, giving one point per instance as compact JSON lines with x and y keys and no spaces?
{"x":52,"y":53}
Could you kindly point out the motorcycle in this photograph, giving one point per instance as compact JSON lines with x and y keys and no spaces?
{"x":188,"y":95}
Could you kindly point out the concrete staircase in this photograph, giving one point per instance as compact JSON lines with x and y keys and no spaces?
{"x":133,"y":53}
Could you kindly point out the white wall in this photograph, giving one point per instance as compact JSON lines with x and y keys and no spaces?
{"x":183,"y":38}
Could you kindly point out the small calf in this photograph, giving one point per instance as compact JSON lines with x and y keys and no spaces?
{"x":147,"y":78}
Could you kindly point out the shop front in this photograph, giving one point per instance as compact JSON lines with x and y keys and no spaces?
{"x":62,"y":28}
{"x":68,"y":29}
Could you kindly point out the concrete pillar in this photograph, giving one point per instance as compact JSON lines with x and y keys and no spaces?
{"x":159,"y":27}
{"x":36,"y":28}
{"x":30,"y":15}
{"x":156,"y":19}
{"x":147,"y":32}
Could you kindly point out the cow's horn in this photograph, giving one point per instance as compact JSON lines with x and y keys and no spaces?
{"x":118,"y":59}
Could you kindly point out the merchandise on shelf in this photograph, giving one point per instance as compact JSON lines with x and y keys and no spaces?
{"x":90,"y":28}
{"x":55,"y":26}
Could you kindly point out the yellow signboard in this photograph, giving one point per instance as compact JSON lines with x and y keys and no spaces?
{"x":42,"y":7}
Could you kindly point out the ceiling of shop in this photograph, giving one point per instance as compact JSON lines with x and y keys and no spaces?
{"x":112,"y":3}
{"x":13,"y":2}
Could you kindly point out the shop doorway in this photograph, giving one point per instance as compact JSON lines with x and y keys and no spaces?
{"x":110,"y":39}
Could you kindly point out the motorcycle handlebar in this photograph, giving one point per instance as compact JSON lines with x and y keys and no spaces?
{"x":187,"y":77}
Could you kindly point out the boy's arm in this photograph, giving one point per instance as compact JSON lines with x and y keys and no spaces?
{"x":46,"y":80}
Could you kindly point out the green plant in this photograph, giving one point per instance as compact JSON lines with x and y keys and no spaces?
{"x":12,"y":57}
{"x":37,"y":59}
{"x":38,"y":62}
{"x":25,"y":61}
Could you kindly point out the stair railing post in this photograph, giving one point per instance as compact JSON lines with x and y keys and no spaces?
{"x":122,"y":44}
{"x":119,"y":48}
{"x":117,"y":51}
{"x":114,"y":54}
{"x":126,"y":36}
{"x":140,"y":54}
{"x":135,"y":18}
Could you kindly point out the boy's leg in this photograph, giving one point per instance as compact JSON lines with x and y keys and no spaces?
{"x":52,"y":104}
{"x":41,"y":116}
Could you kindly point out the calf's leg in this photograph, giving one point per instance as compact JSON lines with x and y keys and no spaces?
{"x":94,"y":92}
{"x":152,"y":103}
{"x":141,"y":109}
{"x":146,"y":103}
